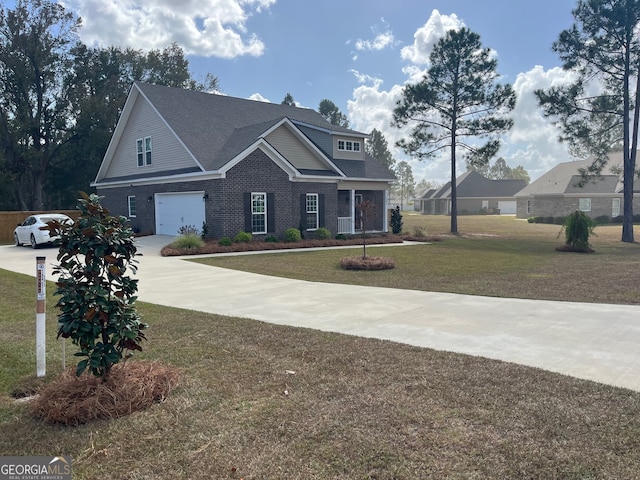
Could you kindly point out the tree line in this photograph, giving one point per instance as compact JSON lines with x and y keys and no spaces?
{"x":60,"y":101}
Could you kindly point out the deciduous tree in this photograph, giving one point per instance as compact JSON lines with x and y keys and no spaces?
{"x":458,"y":103}
{"x":36,"y":38}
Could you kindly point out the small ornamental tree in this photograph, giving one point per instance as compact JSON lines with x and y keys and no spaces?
{"x":96,"y":296}
{"x":367,"y":211}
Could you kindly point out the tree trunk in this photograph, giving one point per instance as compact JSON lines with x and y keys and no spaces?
{"x":629,"y":156}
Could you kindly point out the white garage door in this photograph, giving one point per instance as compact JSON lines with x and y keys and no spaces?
{"x":175,"y":210}
{"x":507,"y":207}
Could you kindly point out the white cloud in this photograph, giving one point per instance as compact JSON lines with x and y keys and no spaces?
{"x":201,"y":27}
{"x":428,"y":35}
{"x":380,"y":41}
{"x":532,"y":142}
{"x":259,"y":98}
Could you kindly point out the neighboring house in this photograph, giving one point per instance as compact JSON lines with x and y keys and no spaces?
{"x":558,"y":192}
{"x":475,"y":194}
{"x":180,"y":157}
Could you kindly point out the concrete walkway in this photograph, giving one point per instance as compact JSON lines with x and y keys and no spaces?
{"x":591,"y":341}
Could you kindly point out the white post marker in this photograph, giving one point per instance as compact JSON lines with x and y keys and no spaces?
{"x":41,"y":293}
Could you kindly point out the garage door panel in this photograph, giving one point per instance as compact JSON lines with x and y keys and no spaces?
{"x":176,"y":210}
{"x":507,"y":207}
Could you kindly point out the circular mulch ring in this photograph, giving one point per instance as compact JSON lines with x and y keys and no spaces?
{"x":132,"y":386}
{"x":367,"y":263}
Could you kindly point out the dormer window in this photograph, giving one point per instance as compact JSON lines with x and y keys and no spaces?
{"x":348,"y":146}
{"x":143,"y":149}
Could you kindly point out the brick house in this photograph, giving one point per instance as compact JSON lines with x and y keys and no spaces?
{"x":559,"y":192}
{"x":474,"y":194}
{"x":180,"y":157}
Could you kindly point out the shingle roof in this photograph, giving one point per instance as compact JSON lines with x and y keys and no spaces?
{"x":565,"y":178}
{"x":216,"y":128}
{"x":471,"y":184}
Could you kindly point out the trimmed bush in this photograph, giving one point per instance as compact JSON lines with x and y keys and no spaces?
{"x":189,"y":240}
{"x":396,"y":221}
{"x":242,"y":237}
{"x":602,"y":220}
{"x":271,"y":239}
{"x":617,"y":219}
{"x":341,"y":236}
{"x":322,"y":233}
{"x":292,"y":235}
{"x":225,"y":242}
{"x":559,"y":220}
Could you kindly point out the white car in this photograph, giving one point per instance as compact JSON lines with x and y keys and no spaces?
{"x":29,"y":230}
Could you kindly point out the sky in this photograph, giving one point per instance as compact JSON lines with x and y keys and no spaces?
{"x":357,"y":53}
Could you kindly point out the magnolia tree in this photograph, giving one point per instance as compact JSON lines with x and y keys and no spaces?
{"x":97,"y":297}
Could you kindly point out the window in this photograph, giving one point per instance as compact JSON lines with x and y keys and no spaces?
{"x":312,"y":211}
{"x":615,"y":208}
{"x":258,"y":213}
{"x":143,"y":149}
{"x":528,"y":207}
{"x":485,"y":204}
{"x":585,"y":205}
{"x":348,"y":145}
{"x":131,"y":201}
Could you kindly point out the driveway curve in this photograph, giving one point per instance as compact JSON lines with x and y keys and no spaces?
{"x":591,"y":341}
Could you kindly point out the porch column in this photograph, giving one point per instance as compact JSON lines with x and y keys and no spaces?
{"x":385,"y":217}
{"x":352,"y":202}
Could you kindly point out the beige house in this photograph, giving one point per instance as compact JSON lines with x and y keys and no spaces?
{"x":559,"y":192}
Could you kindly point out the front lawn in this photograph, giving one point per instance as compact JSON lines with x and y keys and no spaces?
{"x":262,"y":401}
{"x":493,"y":256}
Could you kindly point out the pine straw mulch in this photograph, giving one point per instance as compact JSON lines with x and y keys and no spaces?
{"x":257,"y":245}
{"x":132,"y":386}
{"x":367,"y":263}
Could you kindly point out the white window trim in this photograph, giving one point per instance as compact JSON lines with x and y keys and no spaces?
{"x":349,"y":146}
{"x":259,"y":213}
{"x":580,"y":202}
{"x":315,"y":212}
{"x":615,"y":207}
{"x":129,"y":198}
{"x":141,"y":149}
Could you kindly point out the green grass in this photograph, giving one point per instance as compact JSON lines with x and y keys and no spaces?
{"x":354,"y":408}
{"x":493,"y":256}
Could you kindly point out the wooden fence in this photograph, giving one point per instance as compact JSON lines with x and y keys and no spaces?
{"x":9,"y":220}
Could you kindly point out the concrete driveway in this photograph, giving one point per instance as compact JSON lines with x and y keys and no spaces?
{"x":590,"y":341}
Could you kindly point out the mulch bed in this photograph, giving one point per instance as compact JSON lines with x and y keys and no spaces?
{"x":132,"y":386}
{"x":367,"y":263}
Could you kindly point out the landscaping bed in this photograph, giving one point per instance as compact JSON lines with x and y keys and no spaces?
{"x":212,"y":246}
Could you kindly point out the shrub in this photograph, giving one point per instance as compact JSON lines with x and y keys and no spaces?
{"x":292,"y":235}
{"x":559,"y":220}
{"x":205,"y":230}
{"x":189,"y":240}
{"x":367,"y":263}
{"x":602,"y":220}
{"x":396,"y":220}
{"x":341,"y":236}
{"x":548,"y":220}
{"x":577,"y":229}
{"x":617,"y":219}
{"x":272,"y":239}
{"x":242,"y":237}
{"x":97,"y":298}
{"x":225,"y":242}
{"x":322,"y":233}
{"x":531,"y":219}
{"x":419,"y":231}
{"x":188,"y":230}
